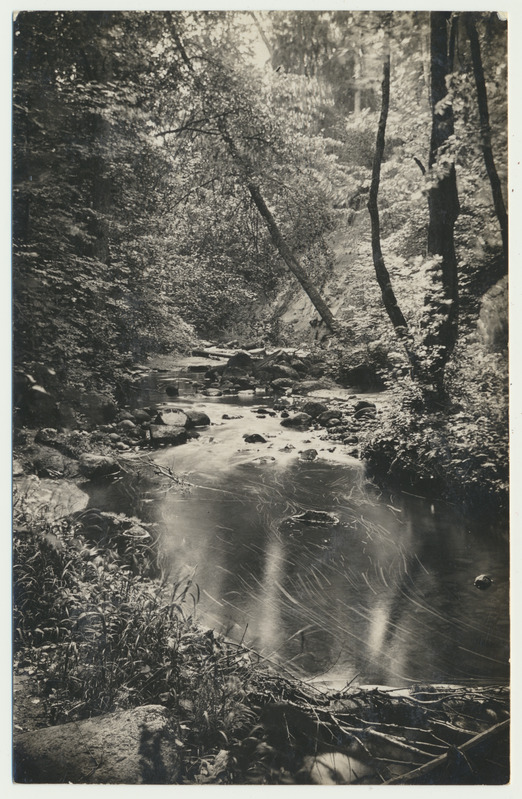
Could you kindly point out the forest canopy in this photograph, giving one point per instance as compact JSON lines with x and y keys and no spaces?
{"x":333,"y":177}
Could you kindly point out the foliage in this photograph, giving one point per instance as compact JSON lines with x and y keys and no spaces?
{"x":133,"y":229}
{"x":100,"y":635}
{"x":84,"y":172}
{"x":458,"y":450}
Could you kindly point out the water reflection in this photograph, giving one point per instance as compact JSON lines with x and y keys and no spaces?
{"x":385,"y":596}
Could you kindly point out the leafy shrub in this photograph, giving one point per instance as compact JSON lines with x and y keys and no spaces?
{"x":459,"y":450}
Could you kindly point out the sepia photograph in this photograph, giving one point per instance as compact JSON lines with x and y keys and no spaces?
{"x":260,"y":397}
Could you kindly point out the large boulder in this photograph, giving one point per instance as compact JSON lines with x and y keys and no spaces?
{"x":50,"y":463}
{"x":172,"y":416}
{"x":243,"y":383}
{"x":126,"y":425}
{"x":166,"y":434}
{"x":129,"y":747}
{"x":197,"y":418}
{"x":254,"y":438}
{"x":275,"y":366}
{"x":141,"y":416}
{"x":334,"y":768}
{"x":97,"y":466}
{"x":278,"y":370}
{"x":297,"y":420}
{"x":306,"y":386}
{"x":364,"y":408}
{"x":314,"y":408}
{"x":239,"y":362}
{"x":326,"y":417}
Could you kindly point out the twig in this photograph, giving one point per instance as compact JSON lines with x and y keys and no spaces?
{"x":494,"y":731}
{"x":453,"y":727}
{"x":391,"y":739}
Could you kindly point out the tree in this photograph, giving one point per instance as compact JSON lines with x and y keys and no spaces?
{"x":247,"y":171}
{"x":441,"y":316}
{"x":383,"y":277}
{"x":485,"y":130}
{"x":85,"y":170}
{"x":441,"y":319}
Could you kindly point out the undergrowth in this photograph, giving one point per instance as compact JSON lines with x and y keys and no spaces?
{"x":97,"y":635}
{"x":457,"y":449}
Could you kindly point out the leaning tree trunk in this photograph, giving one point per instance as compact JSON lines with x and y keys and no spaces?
{"x":383,"y":277}
{"x":440,"y":323}
{"x":255,"y":192}
{"x":485,"y":132}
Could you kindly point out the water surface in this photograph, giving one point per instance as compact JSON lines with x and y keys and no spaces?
{"x":384,"y":596}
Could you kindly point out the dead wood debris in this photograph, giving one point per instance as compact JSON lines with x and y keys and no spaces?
{"x":427,"y":735}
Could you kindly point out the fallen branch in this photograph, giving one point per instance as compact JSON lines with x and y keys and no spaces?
{"x":421,"y":771}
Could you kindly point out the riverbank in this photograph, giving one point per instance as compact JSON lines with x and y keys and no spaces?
{"x":99,"y":640}
{"x":102,"y":630}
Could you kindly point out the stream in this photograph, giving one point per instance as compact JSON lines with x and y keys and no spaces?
{"x":384,"y":596}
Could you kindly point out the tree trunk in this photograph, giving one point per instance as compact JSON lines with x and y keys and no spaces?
{"x":275,"y":234}
{"x":290,"y":259}
{"x":441,"y":320}
{"x":383,"y":278}
{"x":255,"y":192}
{"x":485,"y":132}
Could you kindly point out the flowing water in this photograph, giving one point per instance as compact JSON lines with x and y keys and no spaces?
{"x":384,"y":596}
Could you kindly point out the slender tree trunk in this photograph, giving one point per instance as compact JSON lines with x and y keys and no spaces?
{"x":255,"y":192}
{"x":290,"y":260}
{"x":383,"y":277}
{"x":357,"y":90}
{"x":441,"y":319}
{"x":275,"y":234}
{"x":485,"y":131}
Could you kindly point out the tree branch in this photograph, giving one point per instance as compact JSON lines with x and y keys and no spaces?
{"x":474,"y":743}
{"x":420,"y":165}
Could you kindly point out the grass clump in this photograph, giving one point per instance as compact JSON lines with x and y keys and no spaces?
{"x":456,"y":449}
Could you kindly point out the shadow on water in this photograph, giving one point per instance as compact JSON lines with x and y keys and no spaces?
{"x":384,"y":596}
